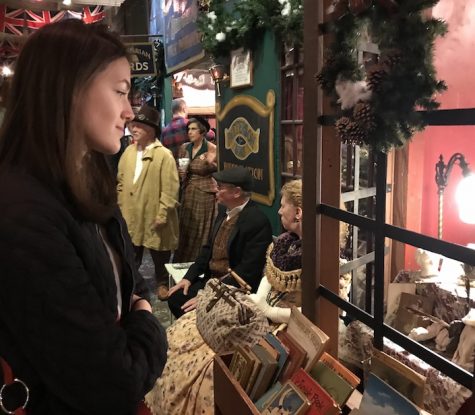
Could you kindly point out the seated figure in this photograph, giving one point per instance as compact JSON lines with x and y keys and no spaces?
{"x":186,"y":384}
{"x":239,"y":238}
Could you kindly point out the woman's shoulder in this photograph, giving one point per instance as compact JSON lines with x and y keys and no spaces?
{"x":211,"y":146}
{"x":25,"y":194}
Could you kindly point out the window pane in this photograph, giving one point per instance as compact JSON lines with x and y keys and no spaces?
{"x":416,"y":194}
{"x":287,"y":95}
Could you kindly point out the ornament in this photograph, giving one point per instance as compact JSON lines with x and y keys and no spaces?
{"x":375,"y":76}
{"x":363,"y":114}
{"x":359,"y":6}
{"x":341,"y":126}
{"x":354,"y":134}
{"x":351,"y":92}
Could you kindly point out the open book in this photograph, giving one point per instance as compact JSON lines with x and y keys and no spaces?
{"x":308,"y":335}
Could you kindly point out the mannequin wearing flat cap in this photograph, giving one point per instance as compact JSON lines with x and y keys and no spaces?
{"x":148,"y":194}
{"x":197,"y":160}
{"x":239,"y":239}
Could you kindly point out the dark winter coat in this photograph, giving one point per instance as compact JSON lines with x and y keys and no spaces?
{"x":58,"y":307}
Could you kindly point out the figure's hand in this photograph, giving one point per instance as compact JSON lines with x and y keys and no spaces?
{"x":184,"y":285}
{"x":158,"y":224}
{"x":189,"y":305}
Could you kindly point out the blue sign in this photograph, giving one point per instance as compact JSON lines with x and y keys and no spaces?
{"x":182,"y":40}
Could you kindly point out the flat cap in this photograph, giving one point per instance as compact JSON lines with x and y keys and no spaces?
{"x":237,"y":176}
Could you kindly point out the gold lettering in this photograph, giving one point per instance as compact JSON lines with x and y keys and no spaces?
{"x":257,"y":173}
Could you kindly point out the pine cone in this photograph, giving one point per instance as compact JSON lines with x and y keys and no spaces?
{"x":364,"y":116}
{"x":375,"y":76}
{"x":354,"y":135}
{"x":341,"y":126}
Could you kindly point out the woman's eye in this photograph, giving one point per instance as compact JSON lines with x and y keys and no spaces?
{"x":122,"y":93}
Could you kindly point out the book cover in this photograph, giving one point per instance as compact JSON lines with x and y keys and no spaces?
{"x":339,"y":368}
{"x":381,"y":399}
{"x":401,"y":377}
{"x":283,"y":353}
{"x":266,"y":373}
{"x":321,"y":403}
{"x":270,"y":349}
{"x":241,"y":365}
{"x":308,"y":335}
{"x":406,"y":320}
{"x":339,"y":389}
{"x":296,"y":356}
{"x":254,"y":372}
{"x":288,"y":401}
{"x":265,"y":399}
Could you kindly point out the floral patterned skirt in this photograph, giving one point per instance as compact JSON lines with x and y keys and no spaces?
{"x":186,"y":384}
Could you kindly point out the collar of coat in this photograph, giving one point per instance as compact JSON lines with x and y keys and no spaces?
{"x":149,"y":151}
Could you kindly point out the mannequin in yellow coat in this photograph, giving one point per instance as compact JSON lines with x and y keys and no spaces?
{"x":148,"y":194}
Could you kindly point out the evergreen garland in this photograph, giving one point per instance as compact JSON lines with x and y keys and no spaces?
{"x":400,"y":83}
{"x":226,"y":27}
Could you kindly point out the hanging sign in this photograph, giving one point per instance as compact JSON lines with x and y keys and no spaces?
{"x":246,"y":131}
{"x":182,"y":39}
{"x":142,"y":59}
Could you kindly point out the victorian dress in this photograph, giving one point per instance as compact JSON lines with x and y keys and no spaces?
{"x":186,"y":384}
{"x":198,"y":204}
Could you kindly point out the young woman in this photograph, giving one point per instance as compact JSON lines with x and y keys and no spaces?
{"x":75,"y":326}
{"x":198,"y":202}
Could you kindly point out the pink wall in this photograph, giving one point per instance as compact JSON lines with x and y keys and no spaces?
{"x":455,"y":63}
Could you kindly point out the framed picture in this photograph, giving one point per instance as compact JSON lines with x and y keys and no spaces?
{"x":241,"y":68}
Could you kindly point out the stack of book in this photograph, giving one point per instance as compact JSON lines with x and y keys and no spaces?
{"x":290,"y":372}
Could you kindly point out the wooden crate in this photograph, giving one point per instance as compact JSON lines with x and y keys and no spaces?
{"x":229,"y":397}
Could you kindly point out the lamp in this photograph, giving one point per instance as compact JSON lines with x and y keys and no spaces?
{"x":465,"y":193}
{"x":218,"y":74}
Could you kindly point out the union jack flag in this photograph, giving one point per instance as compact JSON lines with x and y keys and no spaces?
{"x":37,"y":20}
{"x":18,"y":22}
{"x":89,"y":15}
{"x":12,"y":20}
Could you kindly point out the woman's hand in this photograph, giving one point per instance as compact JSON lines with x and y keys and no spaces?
{"x":139,"y":303}
{"x":184,"y":284}
{"x":190,"y":305}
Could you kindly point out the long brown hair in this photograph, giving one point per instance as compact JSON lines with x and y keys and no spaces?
{"x":40,"y":131}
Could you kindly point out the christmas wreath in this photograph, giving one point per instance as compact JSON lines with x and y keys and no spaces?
{"x":379,"y":101}
{"x":226,"y":26}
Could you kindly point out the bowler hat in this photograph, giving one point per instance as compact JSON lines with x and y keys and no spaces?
{"x":201,"y":120}
{"x":237,"y":176}
{"x":150,"y":116}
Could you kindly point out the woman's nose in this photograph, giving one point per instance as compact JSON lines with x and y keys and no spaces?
{"x":128,"y":113}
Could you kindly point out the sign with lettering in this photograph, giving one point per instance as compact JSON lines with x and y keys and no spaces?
{"x":142,"y":59}
{"x":246,"y":131}
{"x":182,"y":39}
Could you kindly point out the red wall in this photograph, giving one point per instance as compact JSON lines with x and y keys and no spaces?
{"x":455,"y":63}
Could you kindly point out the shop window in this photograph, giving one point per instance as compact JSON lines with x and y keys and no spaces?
{"x":291,"y":120}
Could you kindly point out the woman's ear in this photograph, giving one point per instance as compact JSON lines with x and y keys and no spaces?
{"x":298,"y":213}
